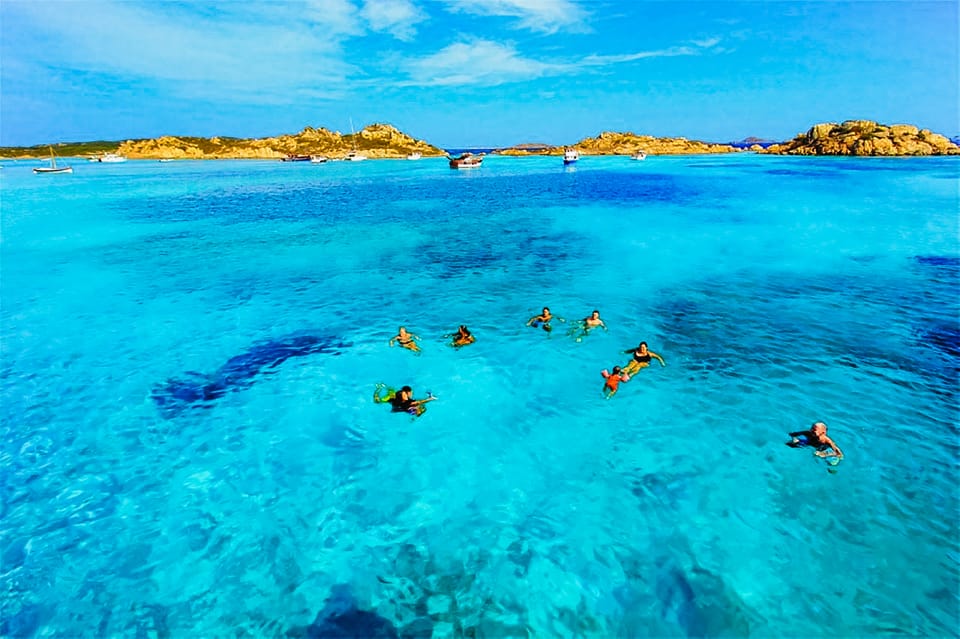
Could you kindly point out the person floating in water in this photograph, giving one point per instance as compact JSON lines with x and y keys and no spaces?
{"x":641,"y":359}
{"x":401,"y":401}
{"x":406,"y":340}
{"x":585,"y":325}
{"x":613,"y":381}
{"x":543,"y":320}
{"x":593,"y":321}
{"x":462,"y":337}
{"x":816,"y":436}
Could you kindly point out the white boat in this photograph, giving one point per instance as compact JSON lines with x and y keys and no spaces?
{"x":353,"y":156}
{"x":639,"y":155}
{"x":570,"y":156}
{"x":53,"y":168}
{"x":108,"y":157}
{"x":466,"y":161}
{"x":318,"y":159}
{"x":415,"y":156}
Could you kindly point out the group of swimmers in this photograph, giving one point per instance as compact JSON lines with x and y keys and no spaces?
{"x":641,"y":356}
{"x":402,"y":400}
{"x":408,"y":340}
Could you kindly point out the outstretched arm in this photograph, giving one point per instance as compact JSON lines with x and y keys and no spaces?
{"x":393,"y":339}
{"x":834,"y":450}
{"x":652,"y":354}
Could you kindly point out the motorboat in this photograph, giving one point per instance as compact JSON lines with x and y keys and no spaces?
{"x":466,"y":161}
{"x":415,"y":156}
{"x":295,"y":157}
{"x":570,"y":156}
{"x":353,"y":156}
{"x":318,"y":159}
{"x":639,"y":155}
{"x":112,"y":158}
{"x":53,"y":168}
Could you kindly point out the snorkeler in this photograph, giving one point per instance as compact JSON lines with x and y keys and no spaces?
{"x":401,"y":401}
{"x":613,"y":381}
{"x":641,"y":358}
{"x":406,"y":340}
{"x":462,"y":337}
{"x":543,"y":320}
{"x":816,"y":436}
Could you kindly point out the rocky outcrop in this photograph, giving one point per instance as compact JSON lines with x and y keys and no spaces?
{"x":530,"y":148}
{"x":611,"y":143}
{"x":374,"y":141}
{"x":865,"y":137}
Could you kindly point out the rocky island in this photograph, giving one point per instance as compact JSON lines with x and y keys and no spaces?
{"x":865,"y":137}
{"x":853,"y":137}
{"x":374,"y":141}
{"x":613,"y":143}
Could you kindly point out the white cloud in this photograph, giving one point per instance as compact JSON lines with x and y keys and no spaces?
{"x":707,"y":43}
{"x":486,"y":63}
{"x":546,"y":16}
{"x":479,"y":62}
{"x":250,"y":52}
{"x":396,"y":17}
{"x":338,"y":16}
{"x":604,"y":60}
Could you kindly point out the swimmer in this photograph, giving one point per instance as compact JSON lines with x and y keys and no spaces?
{"x":405,"y":339}
{"x":816,"y":436}
{"x":543,"y":320}
{"x":593,"y":321}
{"x":641,"y":359}
{"x":613,"y":381}
{"x":401,"y":401}
{"x":586,"y":324}
{"x":462,"y":337}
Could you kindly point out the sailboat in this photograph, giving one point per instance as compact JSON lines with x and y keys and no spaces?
{"x":53,"y":168}
{"x":353,"y":156}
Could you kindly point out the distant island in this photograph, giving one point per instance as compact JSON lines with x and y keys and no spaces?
{"x":865,"y":137}
{"x":612,"y":143}
{"x":374,"y":141}
{"x":853,"y":137}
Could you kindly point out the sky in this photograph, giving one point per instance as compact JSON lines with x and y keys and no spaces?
{"x":461,"y":73}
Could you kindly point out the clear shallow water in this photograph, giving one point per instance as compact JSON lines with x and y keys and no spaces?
{"x":780,"y":291}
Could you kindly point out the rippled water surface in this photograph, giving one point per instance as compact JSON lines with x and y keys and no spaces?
{"x":190,"y":448}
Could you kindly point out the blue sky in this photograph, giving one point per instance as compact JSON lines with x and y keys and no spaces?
{"x":472,"y":72}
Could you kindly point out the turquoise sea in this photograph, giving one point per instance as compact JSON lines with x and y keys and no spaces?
{"x":190,"y":449}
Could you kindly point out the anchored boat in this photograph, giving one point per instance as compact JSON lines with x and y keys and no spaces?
{"x":466,"y":161}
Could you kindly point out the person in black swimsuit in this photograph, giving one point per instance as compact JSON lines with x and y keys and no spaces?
{"x":641,"y":359}
{"x":405,"y":339}
{"x":401,"y":401}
